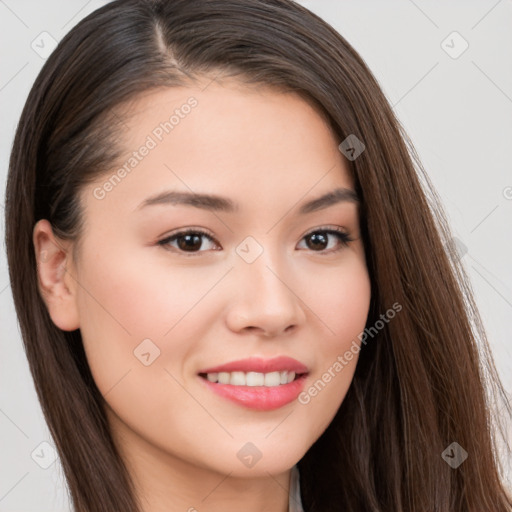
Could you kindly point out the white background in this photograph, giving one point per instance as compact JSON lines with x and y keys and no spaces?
{"x":458,"y":113}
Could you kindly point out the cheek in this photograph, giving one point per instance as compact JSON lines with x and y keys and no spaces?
{"x":130,"y":308}
{"x":138,"y":298}
{"x":125,"y":300}
{"x":342,"y":304}
{"x":340,"y":298}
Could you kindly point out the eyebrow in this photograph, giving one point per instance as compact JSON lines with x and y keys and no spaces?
{"x":213,"y":202}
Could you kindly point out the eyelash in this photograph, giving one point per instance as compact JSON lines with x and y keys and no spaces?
{"x":342,"y":236}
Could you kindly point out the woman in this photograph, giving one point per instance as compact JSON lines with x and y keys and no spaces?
{"x":232,"y":291}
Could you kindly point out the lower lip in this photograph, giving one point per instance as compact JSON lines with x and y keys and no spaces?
{"x":259,"y":398}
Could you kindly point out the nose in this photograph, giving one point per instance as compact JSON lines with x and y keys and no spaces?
{"x":264,"y":301}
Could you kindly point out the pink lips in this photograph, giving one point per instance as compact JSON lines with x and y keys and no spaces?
{"x":257,"y":364}
{"x":262,"y":398}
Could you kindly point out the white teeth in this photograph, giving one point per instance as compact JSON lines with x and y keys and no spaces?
{"x":271,"y":379}
{"x":224,"y":377}
{"x":237,"y":379}
{"x":255,"y":379}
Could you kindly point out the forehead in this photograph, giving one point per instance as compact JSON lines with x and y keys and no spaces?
{"x":227,"y":139}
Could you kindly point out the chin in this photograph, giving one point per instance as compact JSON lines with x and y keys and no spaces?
{"x":260,"y":456}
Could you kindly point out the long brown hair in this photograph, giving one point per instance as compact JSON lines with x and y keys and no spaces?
{"x":426,"y":380}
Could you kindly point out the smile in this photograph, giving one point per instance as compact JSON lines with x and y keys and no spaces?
{"x":271,"y":379}
{"x":256,"y":383}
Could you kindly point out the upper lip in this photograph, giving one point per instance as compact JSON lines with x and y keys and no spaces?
{"x":260,"y":365}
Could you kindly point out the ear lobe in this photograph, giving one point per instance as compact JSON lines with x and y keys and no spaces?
{"x":56,"y":283}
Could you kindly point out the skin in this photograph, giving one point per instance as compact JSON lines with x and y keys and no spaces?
{"x":270,"y":152}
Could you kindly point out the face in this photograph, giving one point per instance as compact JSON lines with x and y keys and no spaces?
{"x":215,"y":326}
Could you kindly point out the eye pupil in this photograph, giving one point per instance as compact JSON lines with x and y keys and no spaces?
{"x":316,"y":238}
{"x":189,"y":242}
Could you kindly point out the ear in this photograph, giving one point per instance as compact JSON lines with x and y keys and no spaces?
{"x":56,"y":282}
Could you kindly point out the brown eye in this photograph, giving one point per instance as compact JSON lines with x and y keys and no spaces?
{"x":191,"y":241}
{"x":320,"y":240}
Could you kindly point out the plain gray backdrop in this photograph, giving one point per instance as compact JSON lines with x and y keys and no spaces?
{"x":446,"y":69}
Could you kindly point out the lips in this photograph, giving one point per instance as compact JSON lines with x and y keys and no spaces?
{"x":260,"y":365}
{"x":257,"y":383}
